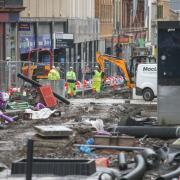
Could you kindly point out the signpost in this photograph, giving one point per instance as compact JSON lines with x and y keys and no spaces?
{"x":62,"y":40}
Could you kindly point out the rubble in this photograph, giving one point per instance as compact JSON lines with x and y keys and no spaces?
{"x":53,"y":131}
{"x":88,"y":119}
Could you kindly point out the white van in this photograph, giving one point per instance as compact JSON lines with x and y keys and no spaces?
{"x":146,"y":81}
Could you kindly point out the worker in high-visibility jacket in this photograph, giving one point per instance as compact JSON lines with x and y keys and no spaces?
{"x":53,"y":74}
{"x":53,"y":77}
{"x":97,"y":80}
{"x":71,"y":80}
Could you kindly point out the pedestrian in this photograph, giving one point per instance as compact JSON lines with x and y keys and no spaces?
{"x":119,"y":50}
{"x":97,"y":81}
{"x":53,"y":74}
{"x":71,"y":80}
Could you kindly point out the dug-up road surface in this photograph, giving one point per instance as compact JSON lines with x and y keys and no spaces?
{"x":13,"y":137}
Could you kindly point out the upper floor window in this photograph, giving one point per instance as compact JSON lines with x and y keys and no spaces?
{"x":160,"y":11}
{"x":11,"y":3}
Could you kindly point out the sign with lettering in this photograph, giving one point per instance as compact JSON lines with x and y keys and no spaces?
{"x":24,"y":26}
{"x":63,"y":40}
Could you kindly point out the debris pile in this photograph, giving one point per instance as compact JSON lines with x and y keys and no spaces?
{"x":124,"y":140}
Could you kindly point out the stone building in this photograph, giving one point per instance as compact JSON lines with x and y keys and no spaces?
{"x":104,"y":12}
{"x":69,"y":27}
{"x":9,"y":15}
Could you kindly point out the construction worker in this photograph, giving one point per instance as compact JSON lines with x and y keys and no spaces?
{"x":53,"y":74}
{"x":97,"y":80}
{"x":71,"y":79}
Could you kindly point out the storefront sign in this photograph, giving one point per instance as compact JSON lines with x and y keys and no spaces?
{"x":121,"y":40}
{"x":24,"y":26}
{"x":63,"y":40}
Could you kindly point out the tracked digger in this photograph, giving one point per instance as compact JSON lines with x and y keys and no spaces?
{"x":120,"y":63}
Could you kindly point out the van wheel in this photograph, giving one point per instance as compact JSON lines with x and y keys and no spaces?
{"x":148,"y":94}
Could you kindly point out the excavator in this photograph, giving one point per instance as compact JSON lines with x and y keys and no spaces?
{"x":120,"y":63}
{"x":41,"y":69}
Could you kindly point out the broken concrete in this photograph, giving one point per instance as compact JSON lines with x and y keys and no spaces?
{"x":110,"y":111}
{"x":53,"y":131}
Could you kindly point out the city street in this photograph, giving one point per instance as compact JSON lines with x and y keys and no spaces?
{"x":89,"y":89}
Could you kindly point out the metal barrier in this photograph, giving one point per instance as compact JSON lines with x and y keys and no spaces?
{"x":8,"y":74}
{"x":10,"y":69}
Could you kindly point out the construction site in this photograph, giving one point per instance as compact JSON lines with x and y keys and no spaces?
{"x":89,"y":90}
{"x":53,"y":130}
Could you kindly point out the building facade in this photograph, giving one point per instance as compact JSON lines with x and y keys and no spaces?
{"x":68,"y":28}
{"x":47,"y":19}
{"x":160,"y":10}
{"x":104,"y":12}
{"x":9,"y":15}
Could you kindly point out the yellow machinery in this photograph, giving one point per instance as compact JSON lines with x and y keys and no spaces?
{"x":39,"y":71}
{"x":120,"y":63}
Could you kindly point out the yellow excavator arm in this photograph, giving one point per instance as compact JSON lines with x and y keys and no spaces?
{"x":120,"y":63}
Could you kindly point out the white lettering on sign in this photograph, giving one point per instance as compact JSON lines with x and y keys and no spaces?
{"x":171,"y":29}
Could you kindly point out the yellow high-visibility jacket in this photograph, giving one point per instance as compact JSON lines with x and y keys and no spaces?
{"x":53,"y":75}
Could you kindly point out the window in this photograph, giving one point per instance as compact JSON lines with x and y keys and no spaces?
{"x":160,"y":11}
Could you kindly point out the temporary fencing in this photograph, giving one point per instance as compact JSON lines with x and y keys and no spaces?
{"x":10,"y":69}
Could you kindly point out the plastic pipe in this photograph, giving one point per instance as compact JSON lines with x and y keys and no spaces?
{"x":6,"y":118}
{"x":122,"y":162}
{"x":151,"y":131}
{"x":150,"y":158}
{"x":169,"y":176}
{"x":138,"y":172}
{"x":149,"y":153}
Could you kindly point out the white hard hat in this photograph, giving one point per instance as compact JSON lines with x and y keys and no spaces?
{"x":70,"y":67}
{"x":53,"y":67}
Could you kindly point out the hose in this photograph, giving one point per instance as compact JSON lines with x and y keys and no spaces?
{"x":150,"y":158}
{"x":122,"y":162}
{"x":138,"y":172}
{"x":149,"y":154}
{"x":169,"y":176}
{"x":113,"y":177}
{"x":150,"y":131}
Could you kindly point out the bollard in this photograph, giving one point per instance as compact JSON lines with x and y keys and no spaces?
{"x":29,"y":160}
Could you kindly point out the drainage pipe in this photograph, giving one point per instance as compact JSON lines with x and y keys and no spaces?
{"x":169,"y":176}
{"x":151,"y":158}
{"x":149,"y":154}
{"x":36,"y":84}
{"x":139,"y":171}
{"x":122,"y":161}
{"x":163,"y":132}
